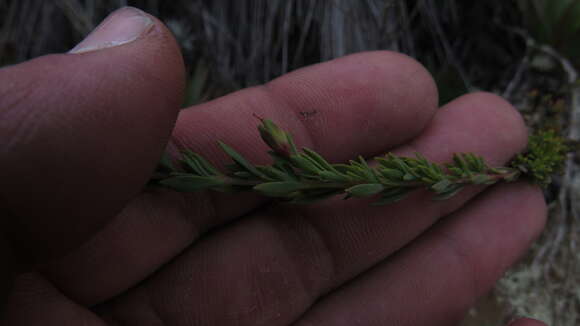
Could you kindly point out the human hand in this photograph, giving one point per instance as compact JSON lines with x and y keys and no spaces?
{"x":83,"y":131}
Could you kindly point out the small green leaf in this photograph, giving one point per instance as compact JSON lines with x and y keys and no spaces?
{"x":428,"y":180}
{"x":191,"y":183}
{"x":191,"y":165}
{"x":366,"y":169}
{"x":342,"y":168}
{"x":401,"y":164}
{"x":409,"y":177}
{"x":452,"y":191}
{"x":243,"y":174}
{"x":208,"y":167}
{"x":319,"y":159}
{"x":472,"y":162}
{"x":437,"y":169}
{"x":461,"y":163}
{"x":333,"y":176}
{"x":286,"y":168}
{"x":453,"y":170}
{"x":482,"y":179}
{"x":239,"y":159}
{"x":313,"y":161}
{"x":305,"y":164}
{"x":276,"y":174}
{"x":515,"y":175}
{"x":355,"y":164}
{"x":278,"y":189}
{"x":386,"y":162}
{"x":441,"y":186}
{"x":365,"y":190}
{"x":354,"y":176}
{"x":392,"y":196}
{"x":391,"y":174}
{"x":357,"y":173}
{"x":198,"y":164}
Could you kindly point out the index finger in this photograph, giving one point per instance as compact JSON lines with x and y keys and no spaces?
{"x":352,"y":105}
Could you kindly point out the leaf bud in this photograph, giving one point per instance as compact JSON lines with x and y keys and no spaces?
{"x":276,"y":138}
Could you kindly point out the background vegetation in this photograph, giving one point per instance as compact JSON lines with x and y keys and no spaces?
{"x":524,"y":50}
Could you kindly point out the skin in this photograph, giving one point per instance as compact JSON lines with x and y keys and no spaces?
{"x":83,"y":244}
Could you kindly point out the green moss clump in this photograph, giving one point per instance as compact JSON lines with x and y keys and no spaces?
{"x":544,"y":157}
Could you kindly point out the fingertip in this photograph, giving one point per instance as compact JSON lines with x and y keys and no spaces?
{"x":393,"y":73}
{"x":496,"y":116}
{"x":479,"y":123}
{"x":382,"y":97}
{"x":403,"y":84}
{"x":148,"y":55}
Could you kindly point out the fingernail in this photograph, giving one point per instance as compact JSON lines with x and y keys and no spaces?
{"x":121,"y":27}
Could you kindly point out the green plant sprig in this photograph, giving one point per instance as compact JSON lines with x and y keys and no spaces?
{"x":304,"y":176}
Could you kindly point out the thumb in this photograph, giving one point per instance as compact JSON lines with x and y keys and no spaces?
{"x":81,"y":132}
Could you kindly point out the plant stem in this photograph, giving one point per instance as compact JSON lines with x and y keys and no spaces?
{"x":305,"y":176}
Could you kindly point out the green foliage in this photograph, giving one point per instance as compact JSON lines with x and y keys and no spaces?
{"x":305,"y":176}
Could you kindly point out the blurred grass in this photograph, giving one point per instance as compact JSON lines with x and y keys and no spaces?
{"x":556,"y":23}
{"x":244,"y":43}
{"x":525,"y":50}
